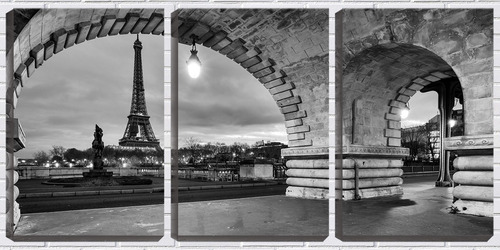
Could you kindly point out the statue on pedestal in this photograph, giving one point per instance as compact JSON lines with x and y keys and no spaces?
{"x":98,"y":146}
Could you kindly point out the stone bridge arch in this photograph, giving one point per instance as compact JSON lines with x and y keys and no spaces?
{"x":287,"y":51}
{"x":37,"y":35}
{"x":388,"y":55}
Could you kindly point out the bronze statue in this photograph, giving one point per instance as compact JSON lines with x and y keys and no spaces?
{"x":98,"y":146}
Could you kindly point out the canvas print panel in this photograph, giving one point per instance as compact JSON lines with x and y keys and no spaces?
{"x":414,"y":124}
{"x":88,"y":158}
{"x":252,"y":158}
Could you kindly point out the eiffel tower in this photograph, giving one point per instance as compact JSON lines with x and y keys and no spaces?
{"x":139,"y":132}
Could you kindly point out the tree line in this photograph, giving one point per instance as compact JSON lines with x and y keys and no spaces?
{"x":194,"y":151}
{"x":113,"y":155}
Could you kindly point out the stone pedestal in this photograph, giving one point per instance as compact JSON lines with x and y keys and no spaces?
{"x":97,"y":170}
{"x":473,"y":191}
{"x":307,"y":172}
{"x":94,"y":173}
{"x":369,"y":171}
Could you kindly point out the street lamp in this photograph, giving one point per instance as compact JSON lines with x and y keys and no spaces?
{"x":193,"y":63}
{"x":404,"y":112}
{"x":452,"y":123}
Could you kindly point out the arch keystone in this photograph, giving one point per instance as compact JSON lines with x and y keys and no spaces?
{"x":139,"y":26}
{"x":132,"y":19}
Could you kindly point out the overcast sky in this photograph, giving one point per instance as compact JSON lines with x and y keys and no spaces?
{"x":87,"y":84}
{"x":423,"y":107}
{"x":225,"y":103}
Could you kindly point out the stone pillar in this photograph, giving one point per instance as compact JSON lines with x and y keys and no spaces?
{"x":369,"y":171}
{"x":473,"y":190}
{"x":15,"y":137}
{"x":307,"y":172}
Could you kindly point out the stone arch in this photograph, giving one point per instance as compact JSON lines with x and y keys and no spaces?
{"x":49,"y":31}
{"x":461,"y":38}
{"x":388,"y":75}
{"x":39,"y":34}
{"x":403,"y":96}
{"x":409,"y":48}
{"x":287,"y":51}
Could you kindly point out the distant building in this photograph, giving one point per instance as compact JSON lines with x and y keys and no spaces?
{"x":268,"y":150}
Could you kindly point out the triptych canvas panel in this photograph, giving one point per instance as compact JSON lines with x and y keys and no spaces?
{"x":249,"y":138}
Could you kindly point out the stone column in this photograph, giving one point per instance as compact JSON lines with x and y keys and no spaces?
{"x":307,"y":171}
{"x":15,"y":140}
{"x":473,"y":191}
{"x":369,"y":171}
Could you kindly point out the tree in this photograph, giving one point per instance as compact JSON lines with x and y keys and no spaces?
{"x":57,"y":151}
{"x":193,"y":149}
{"x":41,"y":157}
{"x":414,"y":138}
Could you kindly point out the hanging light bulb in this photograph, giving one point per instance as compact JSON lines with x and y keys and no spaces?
{"x":405,"y":112}
{"x":193,"y":63}
{"x":452,"y":123}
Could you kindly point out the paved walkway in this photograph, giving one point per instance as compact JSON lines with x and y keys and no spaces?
{"x":422,"y":211}
{"x":117,"y":221}
{"x":420,"y":214}
{"x":257,"y":217}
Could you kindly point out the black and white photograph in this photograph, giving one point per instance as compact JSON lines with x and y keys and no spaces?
{"x":85,"y":112}
{"x":414,"y":124}
{"x":250,"y":154}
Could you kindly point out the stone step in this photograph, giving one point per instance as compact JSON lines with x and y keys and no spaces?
{"x":480,"y":208}
{"x":307,"y":192}
{"x":372,"y":192}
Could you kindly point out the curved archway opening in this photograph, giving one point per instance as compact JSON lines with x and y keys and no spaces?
{"x":71,"y":93}
{"x":378,"y":85}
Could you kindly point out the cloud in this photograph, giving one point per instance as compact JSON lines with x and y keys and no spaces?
{"x":226,"y":103}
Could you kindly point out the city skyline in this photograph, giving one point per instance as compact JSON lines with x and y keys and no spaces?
{"x":96,"y":78}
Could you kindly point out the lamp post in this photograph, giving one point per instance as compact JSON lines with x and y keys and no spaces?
{"x":193,"y":63}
